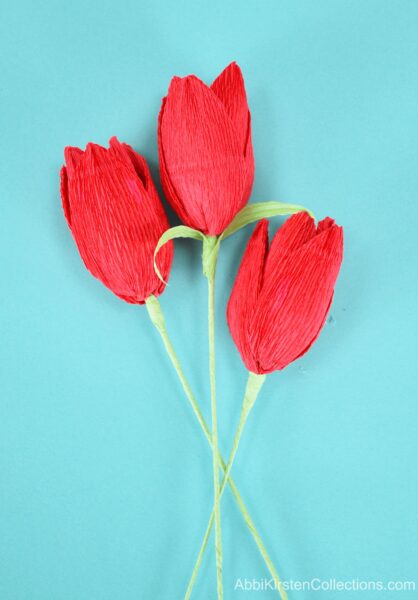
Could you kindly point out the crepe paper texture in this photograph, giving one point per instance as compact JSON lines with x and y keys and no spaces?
{"x":282,"y":294}
{"x":205,"y":149}
{"x":116,"y":218}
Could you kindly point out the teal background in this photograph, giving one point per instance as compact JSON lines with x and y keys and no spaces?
{"x":105,"y":476}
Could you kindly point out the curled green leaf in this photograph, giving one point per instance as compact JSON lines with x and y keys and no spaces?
{"x":181,"y":231}
{"x":261,"y":210}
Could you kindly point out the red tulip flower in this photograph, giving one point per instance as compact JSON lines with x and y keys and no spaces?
{"x":205,"y":149}
{"x":282,"y":294}
{"x":116,"y":218}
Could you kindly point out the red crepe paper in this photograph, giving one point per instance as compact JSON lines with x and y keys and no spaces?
{"x":116,"y":218}
{"x":282,"y":294}
{"x":205,"y":149}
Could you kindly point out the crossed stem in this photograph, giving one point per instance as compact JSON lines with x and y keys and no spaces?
{"x":157,"y":318}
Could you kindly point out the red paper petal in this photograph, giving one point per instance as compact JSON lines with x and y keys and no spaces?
{"x":64,"y":195}
{"x":296,"y":231}
{"x":72,"y":156}
{"x":202,"y":160}
{"x":168,"y":187}
{"x":296,"y":298}
{"x":325,"y":224}
{"x":131,"y":159}
{"x":230,"y":89}
{"x":245,"y":293}
{"x":279,"y":303}
{"x":117,"y":219}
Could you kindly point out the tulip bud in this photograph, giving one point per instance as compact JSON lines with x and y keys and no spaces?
{"x":116,"y":218}
{"x":205,"y":149}
{"x":282,"y":294}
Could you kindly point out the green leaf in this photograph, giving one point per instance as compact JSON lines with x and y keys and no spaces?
{"x":262,"y":210}
{"x":171,"y":234}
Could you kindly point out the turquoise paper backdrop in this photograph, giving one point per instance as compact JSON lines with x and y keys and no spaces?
{"x":105,"y":475}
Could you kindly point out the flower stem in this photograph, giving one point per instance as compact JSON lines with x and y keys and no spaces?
{"x":253,"y":388}
{"x":210,"y":255}
{"x":157,"y":317}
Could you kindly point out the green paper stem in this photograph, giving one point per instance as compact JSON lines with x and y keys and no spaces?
{"x":261,"y":210}
{"x":209,"y":260}
{"x":254,"y":385}
{"x":181,"y":231}
{"x":247,"y":215}
{"x":157,"y":318}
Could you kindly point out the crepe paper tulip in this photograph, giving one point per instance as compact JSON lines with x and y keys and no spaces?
{"x":282,"y":294}
{"x":205,"y":149}
{"x":210,"y":252}
{"x":116,"y":218}
{"x":207,"y":172}
{"x":211,"y":247}
{"x":253,"y":387}
{"x":277,"y":308}
{"x":75,"y":176}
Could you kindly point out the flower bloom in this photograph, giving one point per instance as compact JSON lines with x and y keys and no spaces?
{"x":205,"y":149}
{"x":116,"y":218}
{"x":282,"y":294}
